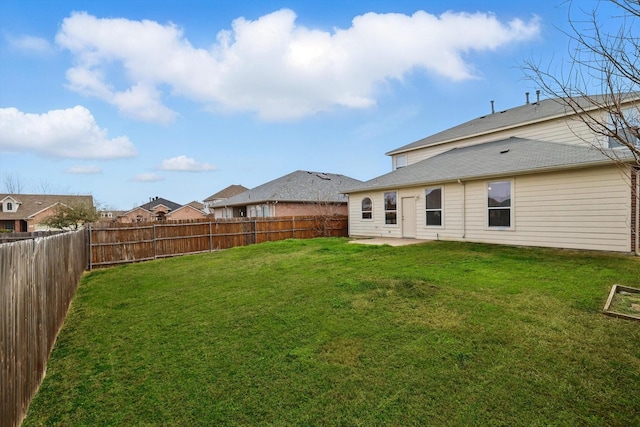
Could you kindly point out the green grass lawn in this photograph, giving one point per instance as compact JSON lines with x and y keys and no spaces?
{"x":322,"y":332}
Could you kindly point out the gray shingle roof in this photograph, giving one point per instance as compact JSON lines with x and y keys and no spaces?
{"x":298,"y":186}
{"x":529,"y":113}
{"x":160,"y":201}
{"x":498,"y":158}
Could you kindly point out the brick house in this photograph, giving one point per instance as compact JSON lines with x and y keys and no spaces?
{"x":296,"y":194}
{"x":192,"y":210}
{"x":25,"y":212}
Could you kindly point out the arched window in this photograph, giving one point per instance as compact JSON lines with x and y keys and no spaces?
{"x":367,"y":208}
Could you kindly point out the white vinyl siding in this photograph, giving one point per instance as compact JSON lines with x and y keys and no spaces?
{"x":558,"y":131}
{"x":586,"y":209}
{"x":579,"y":209}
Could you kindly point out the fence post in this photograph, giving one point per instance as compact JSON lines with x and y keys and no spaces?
{"x":90,"y":250}
{"x":293,"y":227}
{"x":210,"y":238}
{"x":155,"y":243}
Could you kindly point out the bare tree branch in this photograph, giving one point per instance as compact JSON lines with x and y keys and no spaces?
{"x":13,"y":184}
{"x":602,"y":84}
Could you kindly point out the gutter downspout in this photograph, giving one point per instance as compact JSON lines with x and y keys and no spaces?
{"x":464,"y":204}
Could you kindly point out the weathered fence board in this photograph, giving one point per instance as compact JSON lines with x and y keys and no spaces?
{"x":38,"y":279}
{"x":125,"y":243}
{"x":17,"y":236}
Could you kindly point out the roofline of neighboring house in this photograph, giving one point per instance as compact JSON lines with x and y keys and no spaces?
{"x":10,"y":197}
{"x":44,"y":209}
{"x":183,"y":207}
{"x":468,"y":178}
{"x":136,"y":208}
{"x":565,"y":113}
{"x":218,"y":195}
{"x":273,"y":202}
{"x":163,"y":205}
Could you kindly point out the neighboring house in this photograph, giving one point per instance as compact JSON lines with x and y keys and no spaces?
{"x":193,"y":210}
{"x":109,"y":216}
{"x":524,"y":176}
{"x":298,"y":193}
{"x":155,"y":210}
{"x":230,"y":191}
{"x":25,"y":212}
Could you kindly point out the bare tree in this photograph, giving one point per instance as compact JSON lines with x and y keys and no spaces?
{"x":13,"y":184}
{"x":325,"y":207}
{"x":604,"y":57}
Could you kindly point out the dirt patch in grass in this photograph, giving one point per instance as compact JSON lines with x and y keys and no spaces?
{"x":342,"y":352}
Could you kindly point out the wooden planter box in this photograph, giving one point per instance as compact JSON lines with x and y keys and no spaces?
{"x":623,"y":302}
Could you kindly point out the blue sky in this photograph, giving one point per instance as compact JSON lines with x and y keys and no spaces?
{"x":127,"y":100}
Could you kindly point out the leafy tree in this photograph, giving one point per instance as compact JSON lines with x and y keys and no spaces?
{"x":603,"y":57}
{"x":71,"y":217}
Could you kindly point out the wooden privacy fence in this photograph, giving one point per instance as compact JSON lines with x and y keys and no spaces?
{"x":14,"y":237}
{"x":38,"y":279}
{"x":125,"y":243}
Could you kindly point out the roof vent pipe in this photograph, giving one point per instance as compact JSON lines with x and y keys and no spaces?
{"x":492,"y":109}
{"x":538,"y":96}
{"x":526,"y":94}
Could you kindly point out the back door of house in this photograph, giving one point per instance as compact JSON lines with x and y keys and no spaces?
{"x":409,"y":217}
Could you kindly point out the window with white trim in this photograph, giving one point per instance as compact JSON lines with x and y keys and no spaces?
{"x":499,"y":204}
{"x":401,"y":161}
{"x":367,"y":208}
{"x":391,"y":207}
{"x":433,"y":205}
{"x":625,"y":126}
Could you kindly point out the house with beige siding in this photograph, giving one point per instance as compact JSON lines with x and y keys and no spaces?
{"x":298,"y":193}
{"x":526,"y":176}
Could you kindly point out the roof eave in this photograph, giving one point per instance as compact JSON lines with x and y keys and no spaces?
{"x":479,"y":134}
{"x":463,"y":179}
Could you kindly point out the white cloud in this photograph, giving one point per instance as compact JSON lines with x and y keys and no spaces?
{"x":30,"y":44}
{"x":148,"y":177}
{"x":71,"y":133}
{"x":271,"y":66}
{"x":185,"y":164}
{"x":84,"y":170}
